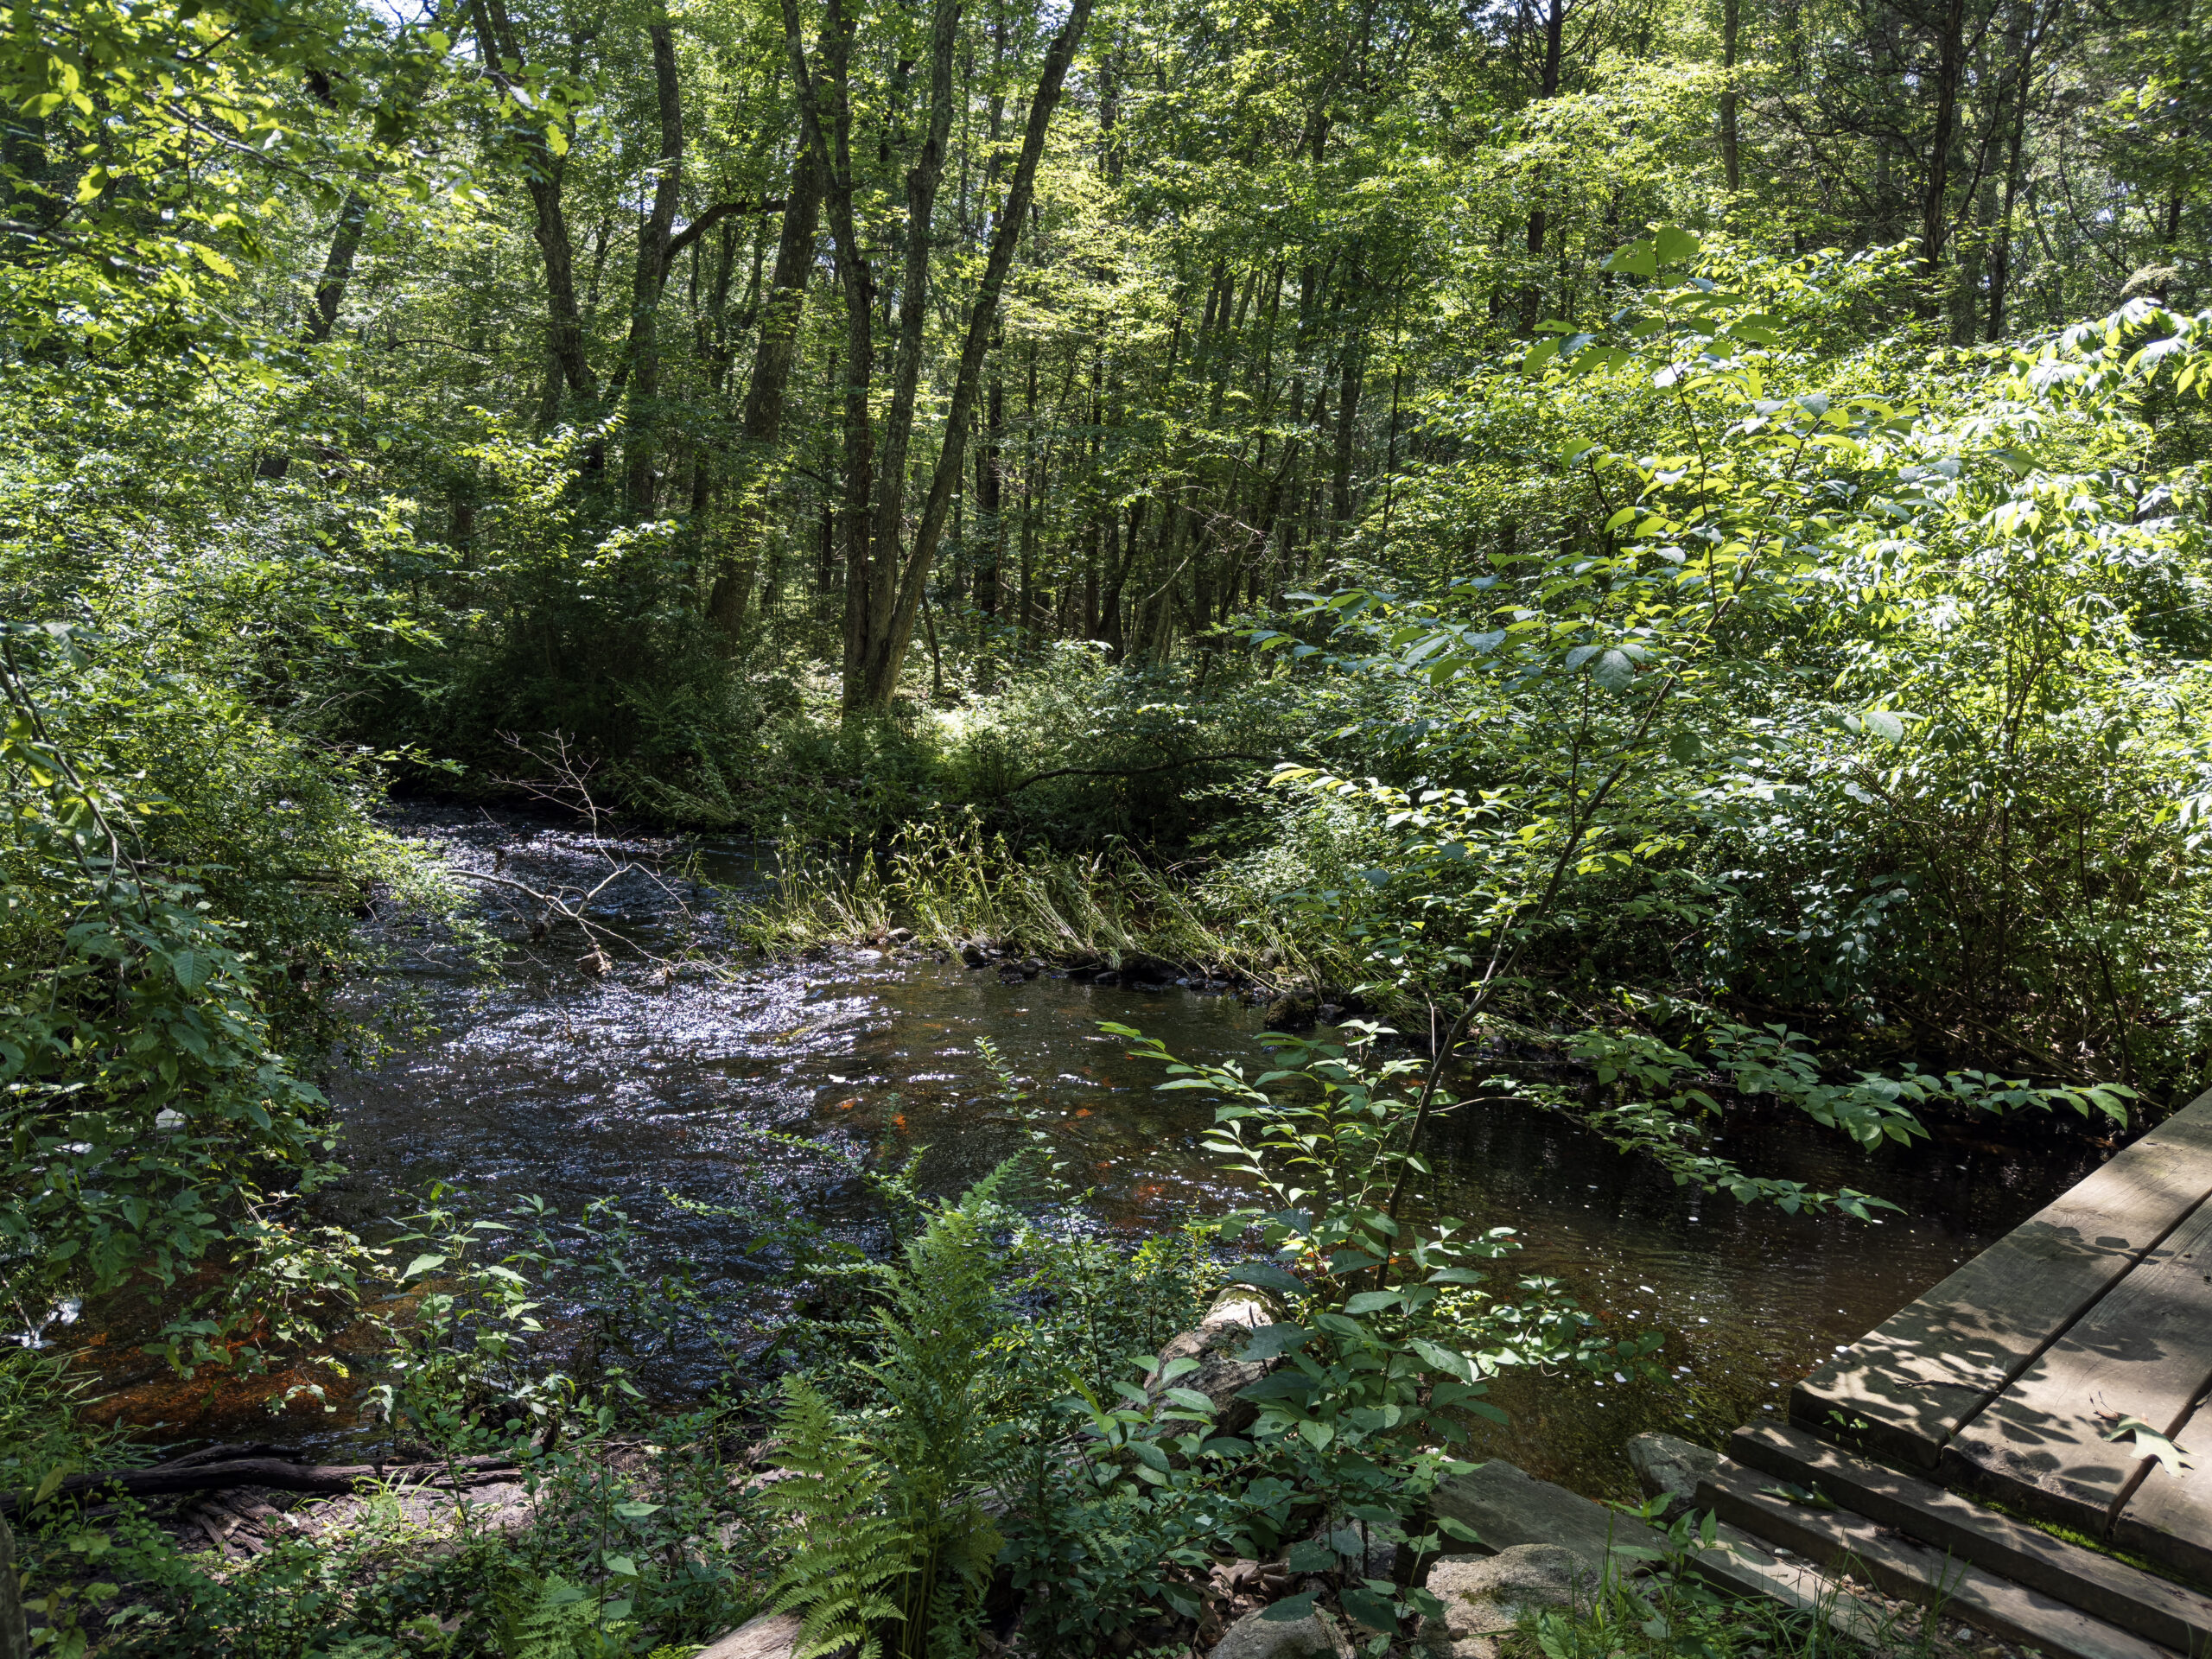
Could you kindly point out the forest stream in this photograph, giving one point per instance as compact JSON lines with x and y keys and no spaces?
{"x":637,"y":1083}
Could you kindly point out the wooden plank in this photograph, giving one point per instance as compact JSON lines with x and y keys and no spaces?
{"x":1901,"y":1391}
{"x":2169,"y":1519}
{"x":1740,"y":1565}
{"x":1918,"y":1572}
{"x":2120,"y":1594}
{"x":2144,"y":1350}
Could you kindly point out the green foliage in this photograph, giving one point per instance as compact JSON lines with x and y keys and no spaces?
{"x":548,"y":1618}
{"x":635,"y":1532}
{"x":1737,"y":686}
{"x":1667,"y":1612}
{"x":1392,"y":1338}
{"x":1833,"y":696}
{"x":144,"y":1090}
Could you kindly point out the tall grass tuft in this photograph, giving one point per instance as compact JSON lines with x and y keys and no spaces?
{"x":952,"y":885}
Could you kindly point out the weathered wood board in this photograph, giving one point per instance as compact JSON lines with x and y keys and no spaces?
{"x":2144,"y":1350}
{"x":1740,"y":1565}
{"x":2169,"y":1518}
{"x":1918,"y":1572}
{"x":2120,"y":1594}
{"x":1902,"y":1391}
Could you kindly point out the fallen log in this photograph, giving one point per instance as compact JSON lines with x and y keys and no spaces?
{"x":277,"y":1474}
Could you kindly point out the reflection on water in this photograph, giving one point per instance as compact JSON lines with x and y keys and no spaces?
{"x":548,"y":1081}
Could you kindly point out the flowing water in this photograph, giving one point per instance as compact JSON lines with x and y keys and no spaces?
{"x":640,"y":1084}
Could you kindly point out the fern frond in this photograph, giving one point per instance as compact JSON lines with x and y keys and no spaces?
{"x":542,"y":1618}
{"x":849,"y":1551}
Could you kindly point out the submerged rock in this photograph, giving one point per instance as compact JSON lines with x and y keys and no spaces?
{"x":1147,"y":970}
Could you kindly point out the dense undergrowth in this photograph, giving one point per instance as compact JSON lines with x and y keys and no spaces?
{"x":960,"y":1421}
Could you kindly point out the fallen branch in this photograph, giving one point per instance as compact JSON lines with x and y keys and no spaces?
{"x":279,"y":1473}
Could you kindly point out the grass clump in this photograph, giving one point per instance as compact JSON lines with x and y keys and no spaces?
{"x":953,"y":883}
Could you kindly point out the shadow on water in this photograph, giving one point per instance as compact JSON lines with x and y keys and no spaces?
{"x":634,"y":1084}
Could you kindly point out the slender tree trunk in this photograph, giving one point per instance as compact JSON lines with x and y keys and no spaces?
{"x":772,"y":360}
{"x":345,"y":235}
{"x":882,"y":677}
{"x":329,"y":294}
{"x":1347,"y":385}
{"x":1935,"y":201}
{"x":2000,"y":257}
{"x":338,"y":268}
{"x":1546,"y":89}
{"x":542,"y":174}
{"x":641,"y":365}
{"x":922,"y":181}
{"x":832,"y":147}
{"x":990,"y":470}
{"x":1730,"y":162}
{"x":990,"y":487}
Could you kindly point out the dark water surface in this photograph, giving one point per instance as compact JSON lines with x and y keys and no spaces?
{"x":548,"y":1080}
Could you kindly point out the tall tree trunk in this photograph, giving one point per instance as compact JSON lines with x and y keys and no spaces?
{"x":772,"y":360}
{"x":880,"y":679}
{"x":338,"y":267}
{"x":990,"y":471}
{"x":1935,"y":201}
{"x":922,"y":180}
{"x":329,"y":294}
{"x":1548,"y":87}
{"x":833,"y":152}
{"x":2000,"y":257}
{"x":1348,"y":384}
{"x":352,"y":224}
{"x":1731,"y":163}
{"x":990,"y":485}
{"x":542,"y":174}
{"x":641,"y":365}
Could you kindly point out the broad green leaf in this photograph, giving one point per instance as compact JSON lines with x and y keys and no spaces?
{"x":1637,"y":259}
{"x":1272,"y":1341}
{"x":1675,"y":246}
{"x":1616,"y":669}
{"x":1376,"y":1612}
{"x":1268,"y":1276}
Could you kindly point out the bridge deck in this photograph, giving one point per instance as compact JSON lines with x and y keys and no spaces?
{"x":2006,"y":1379}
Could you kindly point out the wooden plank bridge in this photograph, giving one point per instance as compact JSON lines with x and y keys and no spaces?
{"x":1967,"y":1453}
